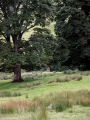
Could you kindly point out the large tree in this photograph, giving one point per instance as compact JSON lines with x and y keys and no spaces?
{"x":73,"y":33}
{"x":17,"y":17}
{"x":42,"y":44}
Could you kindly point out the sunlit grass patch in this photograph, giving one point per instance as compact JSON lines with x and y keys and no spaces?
{"x":28,"y":34}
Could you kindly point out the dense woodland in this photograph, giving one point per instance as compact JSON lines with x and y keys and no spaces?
{"x":69,"y":48}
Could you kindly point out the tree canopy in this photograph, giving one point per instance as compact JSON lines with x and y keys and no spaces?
{"x":17,"y":17}
{"x":42,"y":43}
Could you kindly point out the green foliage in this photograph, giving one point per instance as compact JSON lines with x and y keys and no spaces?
{"x":17,"y":17}
{"x":41,"y":47}
{"x":72,"y":30}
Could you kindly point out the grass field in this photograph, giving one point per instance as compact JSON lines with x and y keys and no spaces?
{"x":38,"y":85}
{"x":26,"y":35}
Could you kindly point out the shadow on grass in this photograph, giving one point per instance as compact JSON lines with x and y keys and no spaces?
{"x":8,"y":84}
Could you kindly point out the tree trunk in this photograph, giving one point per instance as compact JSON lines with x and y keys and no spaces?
{"x":17,"y":73}
{"x":17,"y":67}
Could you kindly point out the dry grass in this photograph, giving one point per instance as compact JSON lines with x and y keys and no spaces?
{"x":64,"y":100}
{"x":76,"y":77}
{"x":20,"y":106}
{"x":66,"y":79}
{"x":38,"y":108}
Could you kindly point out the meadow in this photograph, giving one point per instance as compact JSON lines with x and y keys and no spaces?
{"x":46,"y":96}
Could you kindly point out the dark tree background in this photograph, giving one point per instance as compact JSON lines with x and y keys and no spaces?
{"x":73,"y":33}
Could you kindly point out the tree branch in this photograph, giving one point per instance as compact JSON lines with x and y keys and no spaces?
{"x":28,"y":28}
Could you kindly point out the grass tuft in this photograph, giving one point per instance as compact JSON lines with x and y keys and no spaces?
{"x":9,"y":94}
{"x":76,"y":77}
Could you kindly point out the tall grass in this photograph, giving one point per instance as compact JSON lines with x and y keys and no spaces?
{"x":20,"y":106}
{"x":58,"y":102}
{"x":62,"y":101}
{"x":9,"y":94}
{"x":42,"y":115}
